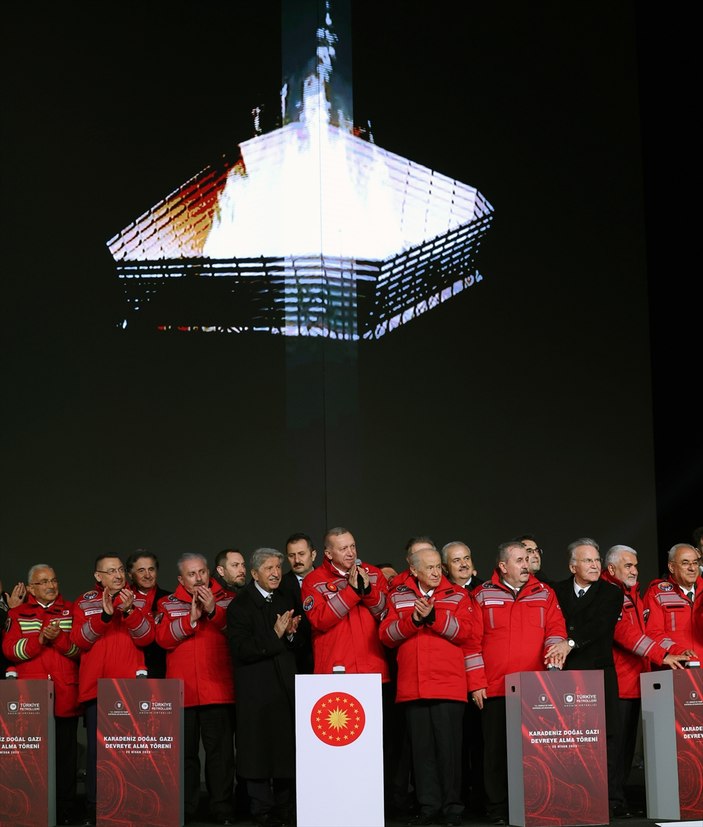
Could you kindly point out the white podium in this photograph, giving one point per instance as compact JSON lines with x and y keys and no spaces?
{"x":339,"y":750}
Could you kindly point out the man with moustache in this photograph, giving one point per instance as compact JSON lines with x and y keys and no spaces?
{"x":459,"y":567}
{"x":112,"y":628}
{"x":633,"y":651}
{"x":191,"y":626}
{"x":38,"y":640}
{"x":301,"y":555}
{"x":672,"y":603}
{"x":262,"y":629}
{"x":230,"y":570}
{"x":518,"y":627}
{"x":428,"y":620}
{"x":143,"y":568}
{"x":591,"y":607}
{"x":345,"y":600}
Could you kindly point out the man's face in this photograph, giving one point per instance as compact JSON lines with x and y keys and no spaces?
{"x":300,"y":557}
{"x":143,"y":573}
{"x":586,"y":565}
{"x":460,"y":567}
{"x":625,"y":570}
{"x":428,"y":569}
{"x":268,"y":575}
{"x":535,"y":555}
{"x":515,"y":568}
{"x":684,"y":566}
{"x":341,"y":551}
{"x":111,"y":574}
{"x":44,"y":585}
{"x":234,"y":570}
{"x":193,"y":573}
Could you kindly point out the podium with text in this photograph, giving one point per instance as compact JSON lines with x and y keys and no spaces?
{"x":672,"y":733}
{"x":27,"y":754}
{"x":557,"y":767}
{"x":140,"y":752}
{"x":339,"y":750}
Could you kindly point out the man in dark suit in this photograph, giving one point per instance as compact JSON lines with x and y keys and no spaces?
{"x":591,"y":608}
{"x":261,"y":628}
{"x":301,"y":555}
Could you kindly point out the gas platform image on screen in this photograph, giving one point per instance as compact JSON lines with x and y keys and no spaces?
{"x":309,"y":229}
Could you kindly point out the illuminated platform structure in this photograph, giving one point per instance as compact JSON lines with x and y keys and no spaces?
{"x":310,"y":230}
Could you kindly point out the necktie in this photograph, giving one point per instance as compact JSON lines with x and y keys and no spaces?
{"x":689,"y":595}
{"x":269,"y":598}
{"x":581,"y":593}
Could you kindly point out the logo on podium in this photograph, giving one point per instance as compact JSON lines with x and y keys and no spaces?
{"x":337,"y":719}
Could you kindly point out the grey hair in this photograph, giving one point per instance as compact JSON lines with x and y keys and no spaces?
{"x":676,"y":547}
{"x":36,"y":567}
{"x":414,"y":557}
{"x":337,"y":531}
{"x":188,"y":556}
{"x":503,"y":549}
{"x":447,"y":546}
{"x":259,"y":557}
{"x":615,"y":553}
{"x":582,"y":541}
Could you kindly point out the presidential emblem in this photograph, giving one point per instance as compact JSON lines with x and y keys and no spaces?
{"x":337,"y":719}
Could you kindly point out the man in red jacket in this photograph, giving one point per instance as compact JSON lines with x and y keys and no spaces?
{"x":428,"y":620}
{"x":38,"y":640}
{"x":111,"y":626}
{"x":633,"y":652}
{"x":670,"y":604}
{"x":191,"y":626}
{"x":518,"y":627}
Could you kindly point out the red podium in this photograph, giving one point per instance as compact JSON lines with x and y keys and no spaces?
{"x":557,"y":767}
{"x":140,"y":754}
{"x":27,"y":754}
{"x":672,"y":732}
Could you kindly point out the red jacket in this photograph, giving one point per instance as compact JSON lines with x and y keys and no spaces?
{"x":199,"y":655}
{"x":111,"y":649}
{"x":633,"y":648}
{"x":344,"y":624}
{"x":430,"y":655}
{"x":55,"y":659}
{"x":510,"y":632}
{"x":670,"y":614}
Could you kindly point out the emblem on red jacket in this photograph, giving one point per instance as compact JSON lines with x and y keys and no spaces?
{"x":338,"y":719}
{"x":309,"y":603}
{"x":665,"y":587}
{"x":331,"y":587}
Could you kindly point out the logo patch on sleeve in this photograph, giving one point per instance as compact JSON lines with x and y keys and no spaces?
{"x":309,"y":603}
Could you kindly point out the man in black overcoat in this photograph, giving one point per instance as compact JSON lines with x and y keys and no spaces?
{"x":261,"y":627}
{"x":591,"y":607}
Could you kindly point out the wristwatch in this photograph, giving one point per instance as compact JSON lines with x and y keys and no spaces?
{"x":572,"y":643}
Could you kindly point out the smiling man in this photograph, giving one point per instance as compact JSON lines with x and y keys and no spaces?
{"x":143,"y":570}
{"x":428,"y":620}
{"x":37,"y":639}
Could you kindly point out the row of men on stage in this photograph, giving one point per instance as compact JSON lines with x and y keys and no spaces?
{"x":436,"y":634}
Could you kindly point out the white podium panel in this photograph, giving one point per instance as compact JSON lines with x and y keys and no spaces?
{"x":339,"y":750}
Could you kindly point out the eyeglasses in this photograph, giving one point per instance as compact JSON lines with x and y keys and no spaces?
{"x":111,"y":572}
{"x":45,"y":582}
{"x":589,"y":561}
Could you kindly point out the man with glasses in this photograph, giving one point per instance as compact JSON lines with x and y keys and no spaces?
{"x":591,"y":608}
{"x":112,"y":629}
{"x":671,"y":603}
{"x":535,"y":559}
{"x":38,"y":641}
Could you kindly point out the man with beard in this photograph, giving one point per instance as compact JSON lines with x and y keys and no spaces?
{"x":112,"y":628}
{"x":38,"y":640}
{"x":230,"y":570}
{"x":261,"y":628}
{"x":633,"y":651}
{"x":143,"y":568}
{"x":191,"y":628}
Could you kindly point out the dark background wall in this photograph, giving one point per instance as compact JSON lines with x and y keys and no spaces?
{"x":557,"y":397}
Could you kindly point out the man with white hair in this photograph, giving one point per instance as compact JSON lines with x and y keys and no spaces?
{"x":633,"y":652}
{"x":671,"y":603}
